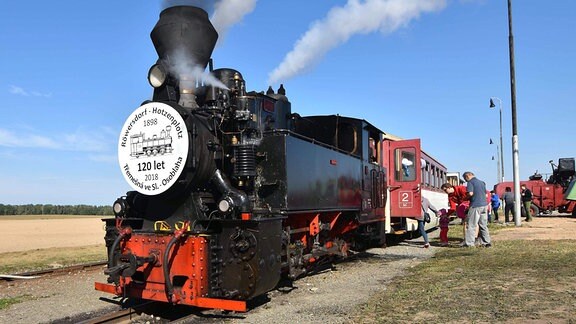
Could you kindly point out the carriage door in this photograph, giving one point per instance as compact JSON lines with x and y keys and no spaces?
{"x":405,"y":178}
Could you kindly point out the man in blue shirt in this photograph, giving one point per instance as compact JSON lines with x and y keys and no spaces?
{"x":477,"y":213}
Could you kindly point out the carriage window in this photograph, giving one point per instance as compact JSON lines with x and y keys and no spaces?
{"x":404,"y":169}
{"x":426,"y":174}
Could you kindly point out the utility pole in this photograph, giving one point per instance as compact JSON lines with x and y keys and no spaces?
{"x":515,"y":157}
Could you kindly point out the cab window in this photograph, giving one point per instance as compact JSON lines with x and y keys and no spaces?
{"x":405,"y":163}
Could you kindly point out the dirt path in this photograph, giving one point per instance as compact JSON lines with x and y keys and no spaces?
{"x":541,"y":228}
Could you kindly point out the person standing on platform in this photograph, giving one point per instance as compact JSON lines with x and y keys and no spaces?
{"x":508,"y":199}
{"x":444,"y":227}
{"x":477,"y":213}
{"x":526,"y":202}
{"x":495,"y":202}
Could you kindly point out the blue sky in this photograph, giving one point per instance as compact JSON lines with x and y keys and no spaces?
{"x":73,"y":71}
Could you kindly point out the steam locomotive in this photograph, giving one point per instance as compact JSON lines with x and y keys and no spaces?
{"x":247,"y":193}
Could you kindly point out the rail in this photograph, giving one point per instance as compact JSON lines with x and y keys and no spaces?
{"x":39,"y":273}
{"x":119,"y":316}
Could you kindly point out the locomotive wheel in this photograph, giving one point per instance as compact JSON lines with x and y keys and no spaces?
{"x":149,"y":152}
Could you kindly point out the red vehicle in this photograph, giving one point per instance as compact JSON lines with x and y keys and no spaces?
{"x":412,"y":173}
{"x":549,"y":195}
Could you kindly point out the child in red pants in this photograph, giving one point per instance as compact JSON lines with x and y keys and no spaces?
{"x":444,"y":222}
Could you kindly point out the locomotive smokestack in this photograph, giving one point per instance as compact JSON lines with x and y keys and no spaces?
{"x":186,"y":31}
{"x":184,"y":39}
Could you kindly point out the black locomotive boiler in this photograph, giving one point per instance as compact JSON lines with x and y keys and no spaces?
{"x":248,"y":192}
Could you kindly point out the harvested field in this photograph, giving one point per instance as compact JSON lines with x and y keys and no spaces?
{"x":42,"y":232}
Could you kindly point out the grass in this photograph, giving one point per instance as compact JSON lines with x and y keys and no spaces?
{"x":522,"y":280}
{"x":6,"y":302}
{"x":17,"y":262}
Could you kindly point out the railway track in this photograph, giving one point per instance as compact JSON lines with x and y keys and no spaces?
{"x":155,"y":312}
{"x":127,"y":311}
{"x":55,"y":271}
{"x":119,"y":316}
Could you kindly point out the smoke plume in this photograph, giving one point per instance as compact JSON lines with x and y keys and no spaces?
{"x":207,"y":5}
{"x":228,"y":13}
{"x":224,"y":13}
{"x":341,"y":23}
{"x":189,"y":73}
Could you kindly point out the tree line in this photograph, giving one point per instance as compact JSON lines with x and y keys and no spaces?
{"x":40,"y":209}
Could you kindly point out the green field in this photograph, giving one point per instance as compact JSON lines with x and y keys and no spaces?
{"x":515,"y":281}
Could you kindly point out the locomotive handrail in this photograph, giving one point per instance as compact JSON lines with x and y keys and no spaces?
{"x":165,"y":266}
{"x":311,"y":140}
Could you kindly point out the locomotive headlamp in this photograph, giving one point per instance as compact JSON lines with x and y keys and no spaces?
{"x":225,"y":205}
{"x":119,"y":207}
{"x":157,"y":75}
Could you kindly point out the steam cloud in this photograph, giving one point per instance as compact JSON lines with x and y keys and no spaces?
{"x":190,"y":72}
{"x":229,"y":13}
{"x":207,"y":5}
{"x":341,"y":23}
{"x":226,"y":13}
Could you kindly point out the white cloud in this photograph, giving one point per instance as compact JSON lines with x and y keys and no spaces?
{"x":86,"y":141}
{"x":19,"y":91}
{"x":106,"y":158}
{"x":342,"y":23}
{"x":10,"y":139}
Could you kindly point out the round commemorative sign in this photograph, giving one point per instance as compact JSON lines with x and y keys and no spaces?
{"x":153,"y":147}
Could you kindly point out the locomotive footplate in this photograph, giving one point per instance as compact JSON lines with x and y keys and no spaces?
{"x":188,"y":270}
{"x":238,"y":260}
